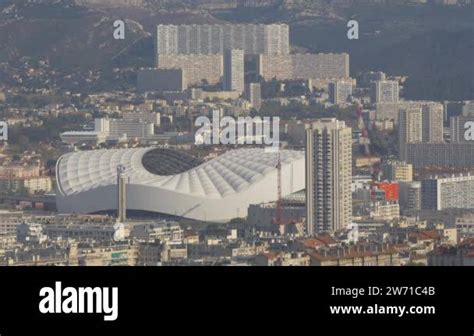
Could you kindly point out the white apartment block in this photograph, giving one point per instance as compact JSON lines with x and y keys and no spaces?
{"x":385,"y":92}
{"x":454,"y":192}
{"x":433,"y":117}
{"x":150,"y":117}
{"x":196,"y":67}
{"x":328,"y":176}
{"x":385,"y":211}
{"x":340,"y":91}
{"x":115,"y":129}
{"x":410,"y":128}
{"x":442,"y":154}
{"x":215,"y":39}
{"x":389,"y":111}
{"x":304,"y":66}
{"x":31,"y":185}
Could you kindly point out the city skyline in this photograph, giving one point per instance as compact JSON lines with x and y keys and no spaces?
{"x":329,"y":147}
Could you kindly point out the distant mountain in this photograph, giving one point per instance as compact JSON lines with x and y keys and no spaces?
{"x":67,"y":35}
{"x":432,"y":45}
{"x":73,"y":36}
{"x":446,"y":71}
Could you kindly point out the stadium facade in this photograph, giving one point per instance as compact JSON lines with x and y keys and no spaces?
{"x":165,"y":181}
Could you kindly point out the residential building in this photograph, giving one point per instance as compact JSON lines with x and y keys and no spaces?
{"x":159,"y":80}
{"x":31,"y":185}
{"x":422,"y":155}
{"x":304,"y":66}
{"x":120,"y":254}
{"x":282,"y":259}
{"x":432,"y":126}
{"x":359,"y":255}
{"x":453,"y":192}
{"x":385,"y":91}
{"x":390,"y":110}
{"x":394,"y":170}
{"x":409,"y":129}
{"x":385,"y":211}
{"x":410,"y":196}
{"x":328,"y":176}
{"x":215,"y":39}
{"x":150,"y":117}
{"x":340,"y":91}
{"x":234,"y":70}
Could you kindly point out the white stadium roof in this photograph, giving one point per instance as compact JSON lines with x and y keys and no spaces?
{"x":217,"y":190}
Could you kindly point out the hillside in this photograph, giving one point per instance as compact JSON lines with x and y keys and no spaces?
{"x":74,"y":36}
{"x":430,"y":44}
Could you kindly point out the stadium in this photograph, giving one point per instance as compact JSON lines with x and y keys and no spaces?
{"x":169,"y":182}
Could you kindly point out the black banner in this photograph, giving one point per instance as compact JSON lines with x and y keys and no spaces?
{"x":245,"y":300}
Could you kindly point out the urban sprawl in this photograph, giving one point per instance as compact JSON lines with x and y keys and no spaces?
{"x":360,"y":176}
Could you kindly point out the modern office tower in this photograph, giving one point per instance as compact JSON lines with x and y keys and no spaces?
{"x":215,"y":39}
{"x":410,"y":196}
{"x":461,"y":129}
{"x":340,"y":91}
{"x":394,"y":170}
{"x":253,"y":93}
{"x":385,"y":91}
{"x":328,"y":176}
{"x":234,"y":70}
{"x":454,"y":192}
{"x":121,"y":194}
{"x":410,"y":128}
{"x":159,"y":80}
{"x":433,"y":116}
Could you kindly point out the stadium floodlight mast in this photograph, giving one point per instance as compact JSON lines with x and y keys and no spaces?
{"x":121,"y":202}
